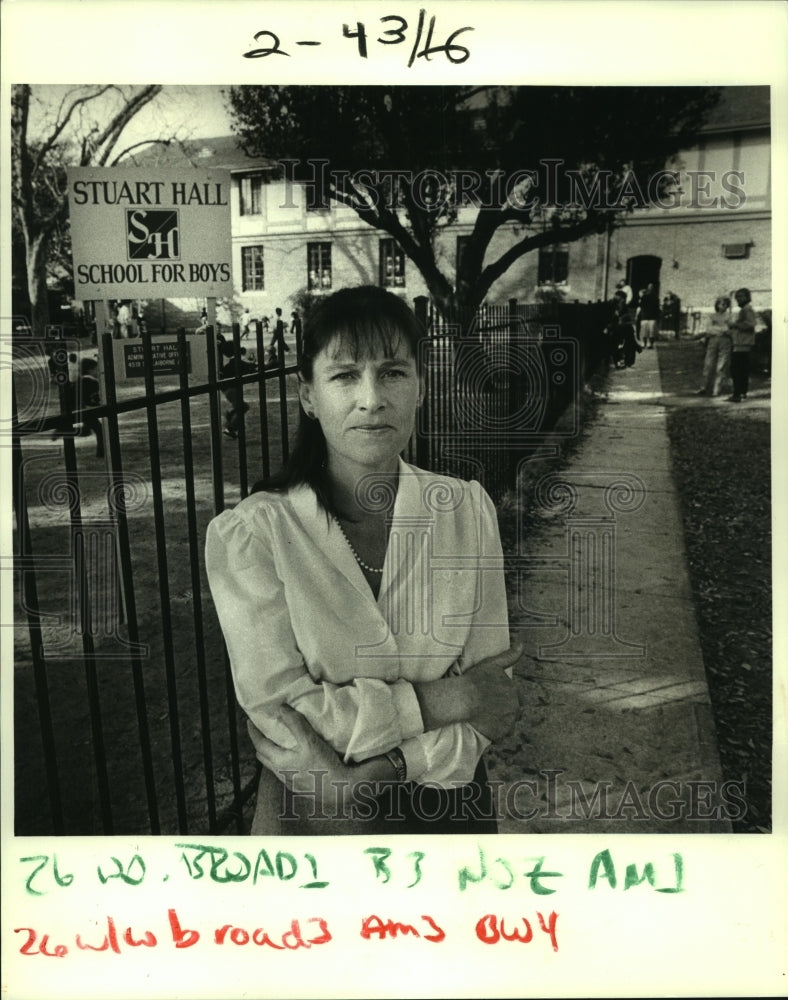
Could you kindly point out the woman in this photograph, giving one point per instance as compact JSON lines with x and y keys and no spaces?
{"x":717,"y":359}
{"x":362,"y":601}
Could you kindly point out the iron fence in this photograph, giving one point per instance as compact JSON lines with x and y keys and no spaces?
{"x":125,"y":715}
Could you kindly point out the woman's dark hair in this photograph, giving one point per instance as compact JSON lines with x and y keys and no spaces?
{"x":363,"y":320}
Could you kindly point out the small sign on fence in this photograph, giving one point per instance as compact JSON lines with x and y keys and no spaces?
{"x":129,"y":357}
{"x":166,"y":359}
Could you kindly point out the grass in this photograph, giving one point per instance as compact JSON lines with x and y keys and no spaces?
{"x":721,"y":460}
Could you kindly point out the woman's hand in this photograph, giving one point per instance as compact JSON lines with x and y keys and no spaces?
{"x":484,"y":695}
{"x":311,"y":753}
{"x":495,"y":705}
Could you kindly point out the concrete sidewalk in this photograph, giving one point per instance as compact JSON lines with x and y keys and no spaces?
{"x":617,"y":732}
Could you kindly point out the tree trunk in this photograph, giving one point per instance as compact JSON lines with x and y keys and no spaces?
{"x":37,"y":247}
{"x":456,"y":307}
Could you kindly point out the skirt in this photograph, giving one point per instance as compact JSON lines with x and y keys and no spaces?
{"x":404,"y":807}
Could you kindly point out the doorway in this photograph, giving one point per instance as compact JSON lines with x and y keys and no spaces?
{"x":643,"y":270}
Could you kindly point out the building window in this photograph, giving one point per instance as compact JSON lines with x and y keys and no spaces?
{"x":253,"y":273}
{"x":553,"y":264}
{"x":251,"y":194}
{"x":392,"y":265}
{"x":318,"y":263}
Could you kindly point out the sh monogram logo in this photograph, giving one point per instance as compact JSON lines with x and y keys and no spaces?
{"x":153,"y":234}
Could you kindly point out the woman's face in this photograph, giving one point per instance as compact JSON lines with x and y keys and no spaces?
{"x":366,"y":406}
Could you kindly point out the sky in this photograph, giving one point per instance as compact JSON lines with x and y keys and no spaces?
{"x":198,"y":109}
{"x":192,"y":112}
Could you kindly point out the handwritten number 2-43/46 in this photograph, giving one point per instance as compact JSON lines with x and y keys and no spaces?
{"x":395,"y":33}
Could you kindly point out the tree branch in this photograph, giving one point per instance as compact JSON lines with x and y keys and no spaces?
{"x":594,"y":222}
{"x":113,"y":130}
{"x":60,"y":126}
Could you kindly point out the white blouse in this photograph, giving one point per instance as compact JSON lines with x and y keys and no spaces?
{"x":302,"y":626}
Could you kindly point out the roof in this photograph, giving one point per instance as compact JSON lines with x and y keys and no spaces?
{"x":740,"y":108}
{"x":220,"y":151}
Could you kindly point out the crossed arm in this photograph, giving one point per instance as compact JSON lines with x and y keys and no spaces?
{"x":485,"y":696}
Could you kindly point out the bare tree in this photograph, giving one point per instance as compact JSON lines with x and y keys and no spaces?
{"x":85,"y":130}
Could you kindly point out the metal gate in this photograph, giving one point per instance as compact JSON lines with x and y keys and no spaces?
{"x":125,"y":714}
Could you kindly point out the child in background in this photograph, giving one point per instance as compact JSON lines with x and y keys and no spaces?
{"x":716,"y":363}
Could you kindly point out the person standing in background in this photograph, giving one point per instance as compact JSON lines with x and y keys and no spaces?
{"x":277,"y":348}
{"x":112,"y":320}
{"x":648,"y":314}
{"x":626,"y":290}
{"x":231,"y":364}
{"x":742,"y":342}
{"x":621,"y":331}
{"x":295,"y":328}
{"x":124,"y":321}
{"x":135,"y":321}
{"x":717,"y":360}
{"x":246,"y":319}
{"x":638,"y":339}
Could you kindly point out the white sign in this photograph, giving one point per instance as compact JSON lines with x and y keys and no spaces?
{"x":140,"y":232}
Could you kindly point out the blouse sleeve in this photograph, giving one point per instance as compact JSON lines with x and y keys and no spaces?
{"x":360,"y":719}
{"x":452,"y":750}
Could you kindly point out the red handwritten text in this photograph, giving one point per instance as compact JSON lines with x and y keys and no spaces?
{"x":490,"y":929}
{"x":110,"y":940}
{"x":292,"y":939}
{"x":374,"y":926}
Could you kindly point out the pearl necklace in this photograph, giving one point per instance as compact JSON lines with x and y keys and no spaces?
{"x":359,"y":560}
